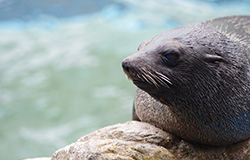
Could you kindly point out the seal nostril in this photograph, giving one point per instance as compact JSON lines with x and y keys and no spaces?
{"x":125,"y":66}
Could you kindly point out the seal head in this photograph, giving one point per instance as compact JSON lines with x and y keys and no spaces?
{"x":194,"y":81}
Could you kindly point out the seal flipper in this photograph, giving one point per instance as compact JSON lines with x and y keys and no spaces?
{"x":235,"y":27}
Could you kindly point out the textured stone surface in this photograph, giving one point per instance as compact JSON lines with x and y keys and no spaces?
{"x":131,"y":140}
{"x":138,"y":140}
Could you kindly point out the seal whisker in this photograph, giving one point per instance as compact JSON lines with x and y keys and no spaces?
{"x":152,"y":80}
{"x":138,"y":74}
{"x":157,"y":79}
{"x":145,"y":78}
{"x":161,"y":81}
{"x":163,"y":77}
{"x":141,"y":76}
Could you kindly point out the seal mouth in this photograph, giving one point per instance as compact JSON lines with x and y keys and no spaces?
{"x":144,"y":85}
{"x":138,"y":82}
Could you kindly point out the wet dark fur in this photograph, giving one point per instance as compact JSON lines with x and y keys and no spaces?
{"x":204,"y":96}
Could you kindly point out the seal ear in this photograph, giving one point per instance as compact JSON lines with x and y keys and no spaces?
{"x":213,"y":58}
{"x":210,"y":57}
{"x":145,"y":43}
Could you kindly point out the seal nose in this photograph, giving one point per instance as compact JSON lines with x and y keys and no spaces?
{"x":125,"y":65}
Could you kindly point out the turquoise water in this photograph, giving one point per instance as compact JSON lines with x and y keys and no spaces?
{"x":61,"y":76}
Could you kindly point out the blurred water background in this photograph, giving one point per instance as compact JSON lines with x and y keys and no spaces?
{"x":60,"y":64}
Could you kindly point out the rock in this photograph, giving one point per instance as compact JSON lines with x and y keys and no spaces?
{"x":138,"y":140}
{"x":131,"y":140}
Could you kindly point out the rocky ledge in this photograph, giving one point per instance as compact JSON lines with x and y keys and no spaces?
{"x":137,"y":140}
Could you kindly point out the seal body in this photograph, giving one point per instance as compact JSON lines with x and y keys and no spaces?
{"x":194,"y":81}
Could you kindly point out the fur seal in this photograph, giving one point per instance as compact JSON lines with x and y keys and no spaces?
{"x":194,"y":81}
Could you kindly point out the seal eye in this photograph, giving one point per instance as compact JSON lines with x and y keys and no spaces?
{"x":171,"y":58}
